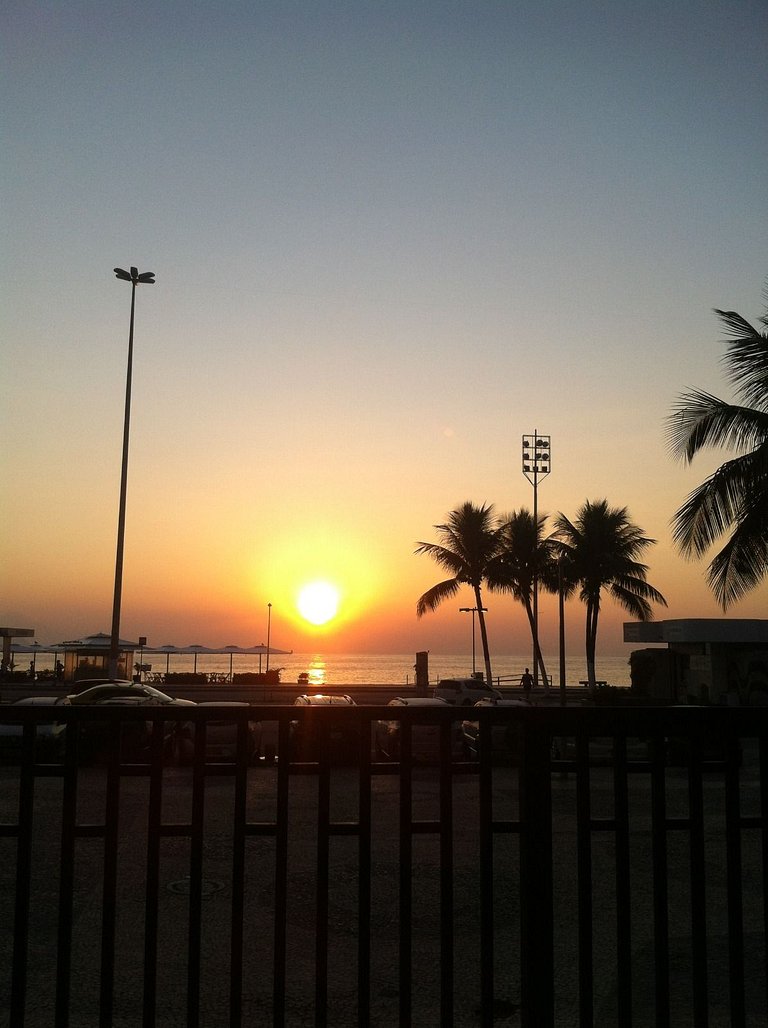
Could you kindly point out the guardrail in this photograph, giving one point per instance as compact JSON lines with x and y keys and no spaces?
{"x":514,"y":681}
{"x":590,"y":867}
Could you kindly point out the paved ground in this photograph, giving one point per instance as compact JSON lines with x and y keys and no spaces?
{"x":342,"y":951}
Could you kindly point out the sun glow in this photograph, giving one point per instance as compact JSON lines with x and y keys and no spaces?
{"x":318,"y":602}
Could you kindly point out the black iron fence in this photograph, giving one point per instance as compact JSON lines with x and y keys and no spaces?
{"x":583,"y":867}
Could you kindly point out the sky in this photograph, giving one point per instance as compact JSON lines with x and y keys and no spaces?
{"x":389,"y":240}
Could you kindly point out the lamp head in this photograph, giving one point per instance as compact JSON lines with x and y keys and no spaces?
{"x":147,"y":278}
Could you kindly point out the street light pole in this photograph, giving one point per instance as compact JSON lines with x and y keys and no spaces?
{"x":147,"y":278}
{"x":536,"y":465}
{"x":473,"y":610}
{"x":269,"y":628}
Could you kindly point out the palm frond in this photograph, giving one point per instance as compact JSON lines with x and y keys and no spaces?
{"x":433,"y":597}
{"x":735,"y":497}
{"x":600,"y":550}
{"x":700,"y":420}
{"x":742,"y":563}
{"x":746,"y":359}
{"x":443,"y":557}
{"x":714,"y":505}
{"x":469,"y":539}
{"x":636,"y":606}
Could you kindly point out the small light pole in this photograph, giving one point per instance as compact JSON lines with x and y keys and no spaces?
{"x":147,"y":278}
{"x":536,"y":465}
{"x":269,"y":628}
{"x":473,"y":611}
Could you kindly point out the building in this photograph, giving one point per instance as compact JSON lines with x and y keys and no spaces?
{"x":706,"y":660}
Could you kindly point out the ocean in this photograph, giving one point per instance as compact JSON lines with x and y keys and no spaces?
{"x":340,"y":669}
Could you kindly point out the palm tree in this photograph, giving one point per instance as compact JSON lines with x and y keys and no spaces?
{"x":524,"y":555}
{"x":468,"y":541}
{"x":601,"y":547}
{"x":735,"y":497}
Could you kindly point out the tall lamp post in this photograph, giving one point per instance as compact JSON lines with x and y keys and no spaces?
{"x":536,"y":465}
{"x":147,"y":278}
{"x":473,"y":611}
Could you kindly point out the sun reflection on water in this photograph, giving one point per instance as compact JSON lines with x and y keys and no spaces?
{"x":317,"y":673}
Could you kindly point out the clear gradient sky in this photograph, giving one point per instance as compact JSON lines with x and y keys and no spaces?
{"x":389,"y":239}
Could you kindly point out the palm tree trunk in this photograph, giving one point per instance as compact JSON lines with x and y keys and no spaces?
{"x":484,"y":638}
{"x":536,"y":646}
{"x":593,"y":610}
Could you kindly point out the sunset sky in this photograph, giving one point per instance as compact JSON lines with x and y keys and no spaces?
{"x":389,"y":240}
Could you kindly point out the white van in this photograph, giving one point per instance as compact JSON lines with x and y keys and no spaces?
{"x":464,"y":692}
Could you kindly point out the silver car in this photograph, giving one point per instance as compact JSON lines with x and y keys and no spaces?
{"x":135,"y":736}
{"x":425,"y":738}
{"x":505,"y":738}
{"x":220,"y":737}
{"x":49,"y":735}
{"x":343,"y":738}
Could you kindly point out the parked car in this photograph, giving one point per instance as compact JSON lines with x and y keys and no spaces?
{"x":343,"y":738}
{"x":49,"y":735}
{"x":135,"y":736}
{"x":464,"y":692}
{"x":87,"y":683}
{"x":220,"y":737}
{"x":505,"y":738}
{"x":425,"y":738}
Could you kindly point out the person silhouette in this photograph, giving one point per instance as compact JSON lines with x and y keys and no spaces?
{"x":526,"y":681}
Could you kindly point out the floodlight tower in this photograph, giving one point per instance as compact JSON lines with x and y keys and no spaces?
{"x":147,"y":278}
{"x":536,"y":466}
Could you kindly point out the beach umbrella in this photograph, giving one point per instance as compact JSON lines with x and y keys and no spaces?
{"x":262,"y":649}
{"x":32,"y":649}
{"x":232,"y":650}
{"x":167,"y":649}
{"x":197,"y":648}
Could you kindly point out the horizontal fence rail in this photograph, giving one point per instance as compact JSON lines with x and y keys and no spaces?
{"x":234,"y":865}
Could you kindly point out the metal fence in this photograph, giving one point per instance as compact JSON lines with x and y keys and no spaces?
{"x":592,"y":866}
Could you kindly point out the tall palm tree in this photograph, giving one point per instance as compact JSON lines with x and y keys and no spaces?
{"x":601,"y":546}
{"x":468,"y":541}
{"x":524,"y":555}
{"x":735,"y":497}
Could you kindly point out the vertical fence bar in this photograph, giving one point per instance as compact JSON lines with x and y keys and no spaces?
{"x":364,"y":877}
{"x":700,"y":997}
{"x":623,"y":886}
{"x":446,"y":872}
{"x":281,"y":876}
{"x":763,"y":777}
{"x":23,"y":877}
{"x":537,"y":943}
{"x":584,"y":880}
{"x":67,"y":877}
{"x":238,"y":876}
{"x":194,"y":954}
{"x":733,"y":877}
{"x":323,"y":840}
{"x":406,"y":868}
{"x":487,"y":949}
{"x":660,"y":880}
{"x":152,"y":895}
{"x":113,"y":732}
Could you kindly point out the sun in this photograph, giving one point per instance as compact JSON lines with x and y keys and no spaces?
{"x":318,"y":602}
